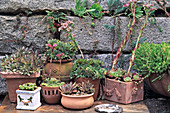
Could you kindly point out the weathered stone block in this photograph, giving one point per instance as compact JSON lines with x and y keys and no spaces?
{"x":35,"y":39}
{"x":140,"y":2}
{"x":105,"y":36}
{"x":107,"y":59}
{"x":35,"y":5}
{"x":3,"y":86}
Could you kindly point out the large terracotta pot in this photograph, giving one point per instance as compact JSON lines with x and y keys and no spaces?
{"x":95,"y":82}
{"x":57,"y":71}
{"x":159,"y":86}
{"x":13,"y":81}
{"x":51,"y":95}
{"x":77,"y":102}
{"x":123,"y":92}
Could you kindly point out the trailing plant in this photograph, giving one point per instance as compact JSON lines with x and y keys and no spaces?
{"x":153,"y":21}
{"x":153,"y":59}
{"x":87,"y":68}
{"x":168,"y":87}
{"x":28,"y":86}
{"x":138,"y":12}
{"x":23,"y":61}
{"x":162,"y":4}
{"x":81,"y":11}
{"x":132,"y":7}
{"x":60,"y":50}
{"x":54,"y":18}
{"x":67,"y":27}
{"x":83,"y":88}
{"x":53,"y":82}
{"x":148,"y":10}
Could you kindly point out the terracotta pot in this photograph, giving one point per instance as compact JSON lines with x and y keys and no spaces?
{"x":77,"y":102}
{"x":13,"y":81}
{"x":159,"y":86}
{"x":51,"y":95}
{"x":124,"y":92}
{"x":62,"y":72}
{"x":95,"y":82}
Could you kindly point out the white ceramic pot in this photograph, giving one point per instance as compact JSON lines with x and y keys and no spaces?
{"x":28,"y":100}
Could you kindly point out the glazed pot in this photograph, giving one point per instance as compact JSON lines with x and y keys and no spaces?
{"x":62,"y":72}
{"x":51,"y":95}
{"x":77,"y":102}
{"x":13,"y":81}
{"x":159,"y":86}
{"x":123,"y":92}
{"x":95,"y":82}
{"x":28,"y":100}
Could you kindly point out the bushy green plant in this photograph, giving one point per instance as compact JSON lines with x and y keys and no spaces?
{"x":80,"y":8}
{"x":97,"y":12}
{"x":53,"y":82}
{"x":28,"y":86}
{"x":153,"y":59}
{"x":77,"y":88}
{"x":23,"y":61}
{"x":87,"y":68}
{"x":68,"y":49}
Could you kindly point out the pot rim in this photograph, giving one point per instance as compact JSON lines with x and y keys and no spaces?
{"x":79,"y":96}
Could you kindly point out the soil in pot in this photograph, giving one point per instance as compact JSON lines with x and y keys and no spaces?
{"x":95,"y":82}
{"x":77,"y":102}
{"x":13,"y":81}
{"x":51,"y":95}
{"x":62,"y":72}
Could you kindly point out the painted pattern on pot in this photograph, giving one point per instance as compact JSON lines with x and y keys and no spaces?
{"x":28,"y":100}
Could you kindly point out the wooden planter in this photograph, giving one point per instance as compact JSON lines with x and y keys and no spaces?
{"x":124,"y":92}
{"x":95,"y":82}
{"x":28,"y":100}
{"x":77,"y":102}
{"x":13,"y":81}
{"x":51,"y":95}
{"x":62,"y":72}
{"x":159,"y":86}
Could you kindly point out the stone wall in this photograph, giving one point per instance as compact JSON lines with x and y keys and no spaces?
{"x":38,"y":33}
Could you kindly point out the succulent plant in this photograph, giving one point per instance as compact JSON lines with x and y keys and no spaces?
{"x":68,"y":88}
{"x":87,"y":87}
{"x":121,"y":75}
{"x":28,"y":86}
{"x":23,"y":61}
{"x":53,"y":82}
{"x":77,"y":89}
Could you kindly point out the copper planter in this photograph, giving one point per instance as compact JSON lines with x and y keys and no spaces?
{"x":123,"y":92}
{"x":13,"y":81}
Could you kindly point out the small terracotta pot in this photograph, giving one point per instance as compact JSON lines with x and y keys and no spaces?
{"x":51,"y":95}
{"x":62,"y":72}
{"x":123,"y":92}
{"x":13,"y":81}
{"x":95,"y":82}
{"x":159,"y":86}
{"x":77,"y":102}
